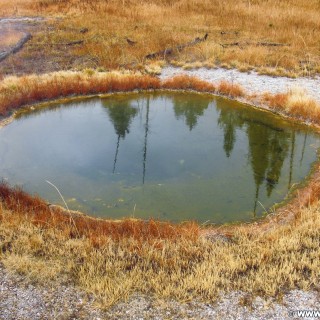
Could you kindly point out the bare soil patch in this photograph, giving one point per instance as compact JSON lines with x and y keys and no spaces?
{"x":37,"y":53}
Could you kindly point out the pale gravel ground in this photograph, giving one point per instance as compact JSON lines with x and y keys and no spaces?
{"x":230,"y":307}
{"x":251,"y":82}
{"x":20,"y":300}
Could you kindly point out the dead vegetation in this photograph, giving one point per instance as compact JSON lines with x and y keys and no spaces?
{"x":20,"y":91}
{"x":295,"y":103}
{"x":284,"y":42}
{"x":114,"y":259}
{"x":15,"y":91}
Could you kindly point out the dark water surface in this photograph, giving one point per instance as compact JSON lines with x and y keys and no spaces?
{"x":175,"y":156}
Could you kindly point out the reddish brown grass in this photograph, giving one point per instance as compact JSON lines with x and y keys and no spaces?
{"x":185,"y":82}
{"x":98,"y":231}
{"x":276,"y":101}
{"x":230,"y":89}
{"x":294,"y":103}
{"x":15,"y":92}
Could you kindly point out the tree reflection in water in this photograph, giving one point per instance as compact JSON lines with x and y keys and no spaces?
{"x":121,"y":114}
{"x":190,"y":109}
{"x":267,"y":149}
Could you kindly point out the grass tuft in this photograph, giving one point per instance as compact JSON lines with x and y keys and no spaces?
{"x":184,"y":82}
{"x":295,"y":103}
{"x":230,"y":89}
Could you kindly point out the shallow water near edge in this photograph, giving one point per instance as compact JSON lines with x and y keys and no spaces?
{"x":172,"y":156}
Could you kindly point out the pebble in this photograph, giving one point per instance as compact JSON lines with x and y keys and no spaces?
{"x":251,"y":82}
{"x":20,"y":301}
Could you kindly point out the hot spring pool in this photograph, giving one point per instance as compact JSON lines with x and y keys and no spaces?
{"x":172,"y":156}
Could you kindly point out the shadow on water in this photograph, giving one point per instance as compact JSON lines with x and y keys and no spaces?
{"x":174,"y":156}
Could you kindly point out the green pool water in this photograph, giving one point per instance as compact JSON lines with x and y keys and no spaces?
{"x":172,"y":156}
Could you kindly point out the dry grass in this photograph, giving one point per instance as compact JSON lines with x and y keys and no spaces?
{"x":235,"y":39}
{"x":112,"y":260}
{"x":296,"y":103}
{"x":37,"y":212}
{"x":19,"y":91}
{"x":184,"y":82}
{"x":15,"y":92}
{"x":9,"y":39}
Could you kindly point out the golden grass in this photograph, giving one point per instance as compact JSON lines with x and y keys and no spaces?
{"x":295,"y":103}
{"x":154,"y":258}
{"x":113,"y":259}
{"x":241,"y":33}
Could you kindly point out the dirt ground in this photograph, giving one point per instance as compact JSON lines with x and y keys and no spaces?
{"x":33,"y":57}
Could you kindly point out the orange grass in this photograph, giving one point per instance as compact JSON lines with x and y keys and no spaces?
{"x":20,"y":91}
{"x":75,"y":225}
{"x":15,"y":92}
{"x":230,"y":89}
{"x":276,"y":101}
{"x":184,"y":82}
{"x":295,"y":103}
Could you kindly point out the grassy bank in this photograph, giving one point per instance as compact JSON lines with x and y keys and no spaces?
{"x":272,"y":37}
{"x":112,"y":260}
{"x":16,"y":92}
